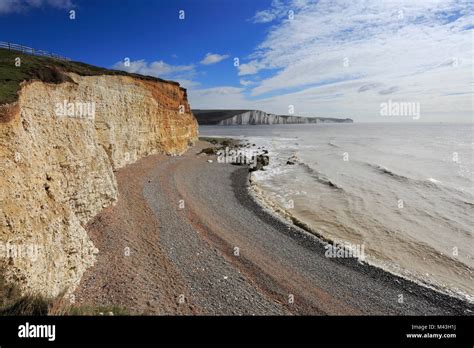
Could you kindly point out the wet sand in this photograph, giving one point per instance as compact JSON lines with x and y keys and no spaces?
{"x":186,"y":237}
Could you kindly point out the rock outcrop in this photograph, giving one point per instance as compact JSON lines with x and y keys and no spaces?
{"x":256,"y":117}
{"x":57,"y":167}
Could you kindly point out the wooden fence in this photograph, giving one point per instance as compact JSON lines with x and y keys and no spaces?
{"x":29,"y":50}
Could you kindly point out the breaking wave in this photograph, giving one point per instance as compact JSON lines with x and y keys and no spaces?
{"x":319,"y":177}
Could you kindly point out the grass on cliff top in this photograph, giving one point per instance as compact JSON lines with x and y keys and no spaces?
{"x":47,"y":70}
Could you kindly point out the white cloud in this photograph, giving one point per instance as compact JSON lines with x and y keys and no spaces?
{"x":275,"y":11}
{"x":213,"y":58}
{"x":15,"y":6}
{"x":345,"y":58}
{"x":183,"y":74}
{"x":225,"y":97}
{"x":187,"y":83}
{"x":250,"y":68}
{"x":156,"y":68}
{"x":247,"y":82}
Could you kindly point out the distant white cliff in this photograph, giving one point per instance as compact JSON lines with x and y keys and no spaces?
{"x":256,"y":117}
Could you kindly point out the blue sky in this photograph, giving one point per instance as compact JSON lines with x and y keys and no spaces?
{"x":325,"y":58}
{"x":106,"y":31}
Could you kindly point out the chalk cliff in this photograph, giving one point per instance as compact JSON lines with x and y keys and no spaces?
{"x":256,"y":117}
{"x":57,"y":171}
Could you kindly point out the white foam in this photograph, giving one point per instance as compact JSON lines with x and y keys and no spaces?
{"x":433,"y":180}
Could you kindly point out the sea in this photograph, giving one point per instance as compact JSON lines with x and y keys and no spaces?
{"x":402,"y":191}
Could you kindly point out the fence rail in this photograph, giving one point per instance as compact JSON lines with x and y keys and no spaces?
{"x":28,"y":50}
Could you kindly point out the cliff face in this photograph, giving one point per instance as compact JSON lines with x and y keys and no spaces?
{"x":56,"y":172}
{"x":256,"y":117}
{"x":259,"y":117}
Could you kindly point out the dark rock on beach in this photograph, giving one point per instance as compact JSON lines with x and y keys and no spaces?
{"x":208,"y":151}
{"x":262,"y":161}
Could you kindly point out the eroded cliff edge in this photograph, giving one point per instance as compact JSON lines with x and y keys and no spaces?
{"x":57,"y":172}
